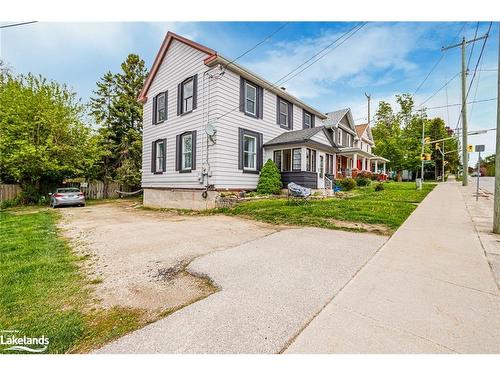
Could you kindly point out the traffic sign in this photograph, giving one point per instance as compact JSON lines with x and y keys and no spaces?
{"x":479,"y":148}
{"x":470,"y":148}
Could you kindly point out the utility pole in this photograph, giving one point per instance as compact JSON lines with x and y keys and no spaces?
{"x":496,"y":209}
{"x":369,"y":97}
{"x":465,"y":156}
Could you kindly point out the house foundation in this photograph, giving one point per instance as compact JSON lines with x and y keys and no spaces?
{"x":190,"y":199}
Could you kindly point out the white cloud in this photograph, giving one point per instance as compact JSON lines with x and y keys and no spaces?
{"x":359,"y":60}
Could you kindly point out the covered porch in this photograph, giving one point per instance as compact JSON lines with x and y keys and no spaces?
{"x":351,"y":161}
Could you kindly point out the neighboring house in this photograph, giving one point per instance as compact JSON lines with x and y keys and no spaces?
{"x":354,"y":143}
{"x":209,"y":125}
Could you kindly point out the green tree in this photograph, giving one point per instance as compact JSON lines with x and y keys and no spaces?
{"x":119,"y":115}
{"x":269,"y":179}
{"x":489,"y":164}
{"x":43,"y":138}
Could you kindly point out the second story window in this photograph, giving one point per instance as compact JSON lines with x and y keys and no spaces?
{"x":251,"y":99}
{"x":187,"y":92}
{"x":284,"y":113}
{"x":307,"y":120}
{"x":160,"y":108}
{"x":339,"y":137}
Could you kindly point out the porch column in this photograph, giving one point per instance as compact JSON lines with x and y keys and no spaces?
{"x":384,"y":167}
{"x":376,"y":166}
{"x":364,"y":164}
{"x":355,"y":160}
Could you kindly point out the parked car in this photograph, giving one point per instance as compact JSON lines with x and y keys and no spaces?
{"x":67,"y":197}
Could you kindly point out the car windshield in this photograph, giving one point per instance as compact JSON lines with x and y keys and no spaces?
{"x":68,"y":190}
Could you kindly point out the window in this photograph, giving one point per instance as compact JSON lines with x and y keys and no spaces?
{"x":329,"y":164}
{"x":277,"y":158}
{"x":185,"y":159}
{"x":339,"y":137}
{"x":186,"y":151}
{"x":321,"y":166}
{"x":307,"y":120}
{"x":250,"y":151}
{"x":187,"y":92}
{"x":284,"y":112}
{"x":310,"y":160}
{"x":287,"y":160}
{"x":296,"y":166}
{"x":250,"y":99}
{"x":160,"y":108}
{"x":158,"y":156}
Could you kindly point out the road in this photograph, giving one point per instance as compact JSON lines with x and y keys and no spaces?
{"x":486,"y":183}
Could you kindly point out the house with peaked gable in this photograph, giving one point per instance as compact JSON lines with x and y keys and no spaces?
{"x":209,"y":125}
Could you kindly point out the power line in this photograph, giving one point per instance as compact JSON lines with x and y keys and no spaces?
{"x":318,"y":53}
{"x":258,"y":44}
{"x":273,"y":85}
{"x":472,"y":48}
{"x":437,"y":63}
{"x":459,"y":104}
{"x":439,"y":89}
{"x":17,"y":24}
{"x":359,"y":27}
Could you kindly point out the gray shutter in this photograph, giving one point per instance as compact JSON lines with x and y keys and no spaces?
{"x":290,"y":116}
{"x":277,"y":109}
{"x":153,"y":156}
{"x":242,"y":94}
{"x":166,"y":105}
{"x":240,"y":148}
{"x":177,"y":152}
{"x":260,"y":103}
{"x":259,"y":151}
{"x":312,"y":120}
{"x":193,"y":156}
{"x":195,"y":90}
{"x":164,"y":169}
{"x":154,"y":109}
{"x":303,"y":119}
{"x":179,"y":99}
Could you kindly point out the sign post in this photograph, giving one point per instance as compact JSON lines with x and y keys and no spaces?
{"x":478,"y":149}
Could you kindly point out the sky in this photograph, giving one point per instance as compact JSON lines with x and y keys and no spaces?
{"x":381,"y":59}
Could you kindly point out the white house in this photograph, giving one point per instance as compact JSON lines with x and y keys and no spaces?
{"x":209,"y":125}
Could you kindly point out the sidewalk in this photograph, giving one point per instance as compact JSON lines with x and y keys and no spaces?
{"x":429,"y":289}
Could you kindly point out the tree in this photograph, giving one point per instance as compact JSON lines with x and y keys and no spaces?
{"x":119,"y":115}
{"x":489,"y":165}
{"x":269,"y":179}
{"x":43,"y":139}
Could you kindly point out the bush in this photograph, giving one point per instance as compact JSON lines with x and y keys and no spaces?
{"x":363,"y":181}
{"x":347,"y":183}
{"x":375,"y":177}
{"x":269,"y":179}
{"x":364,"y":174}
{"x":379,"y":187}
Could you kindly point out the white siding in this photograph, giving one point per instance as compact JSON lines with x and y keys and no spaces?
{"x":180,"y":62}
{"x":321,"y":138}
{"x":225,"y":99}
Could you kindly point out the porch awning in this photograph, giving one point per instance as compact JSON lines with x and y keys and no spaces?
{"x":353,"y":150}
{"x":379,"y":158}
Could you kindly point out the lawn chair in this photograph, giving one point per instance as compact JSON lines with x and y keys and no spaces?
{"x":298,"y":194}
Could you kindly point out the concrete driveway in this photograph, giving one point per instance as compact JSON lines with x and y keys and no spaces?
{"x":270,"y":288}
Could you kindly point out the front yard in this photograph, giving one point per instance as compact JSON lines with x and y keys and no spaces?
{"x":364,"y":209}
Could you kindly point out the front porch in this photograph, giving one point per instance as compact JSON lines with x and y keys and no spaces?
{"x":351,"y":161}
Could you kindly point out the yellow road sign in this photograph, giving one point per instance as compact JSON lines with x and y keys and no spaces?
{"x":470,"y":148}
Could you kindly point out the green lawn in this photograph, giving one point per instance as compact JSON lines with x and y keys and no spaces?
{"x":42,"y":291}
{"x":388,"y":208}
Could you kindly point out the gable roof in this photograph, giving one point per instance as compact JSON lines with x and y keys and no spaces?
{"x":169,"y":38}
{"x":360,"y":129}
{"x":334,"y":118}
{"x":214,"y":58}
{"x":299,"y":136}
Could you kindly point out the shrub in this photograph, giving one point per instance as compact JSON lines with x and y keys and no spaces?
{"x":269,"y":179}
{"x":379,"y":187}
{"x":364,"y":174}
{"x":363,"y":181}
{"x":375,"y":177}
{"x":347,"y":183}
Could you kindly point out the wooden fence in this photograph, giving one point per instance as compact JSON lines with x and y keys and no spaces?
{"x":93,"y":190}
{"x":9,"y":191}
